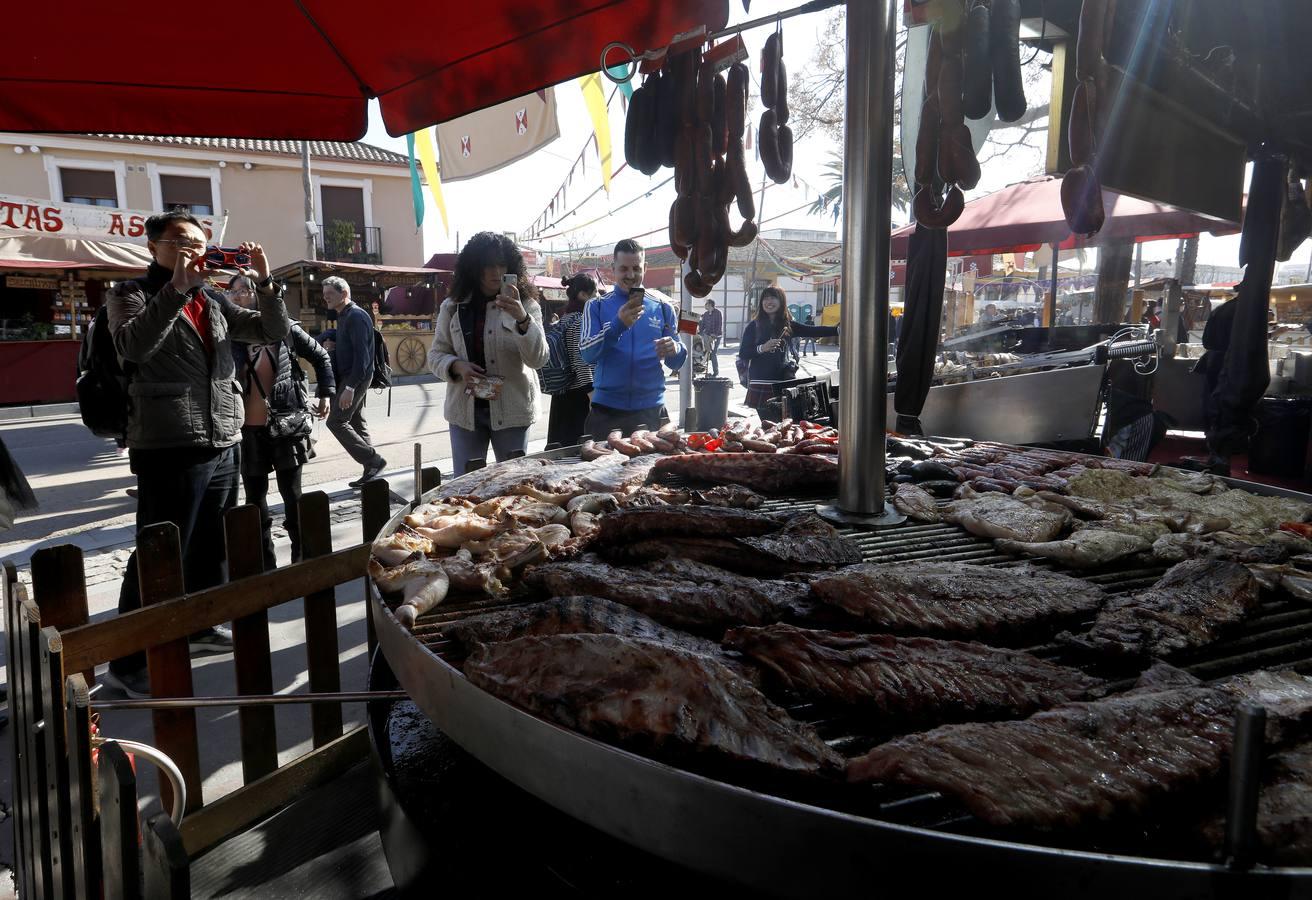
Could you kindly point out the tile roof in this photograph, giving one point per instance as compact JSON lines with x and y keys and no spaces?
{"x":339,"y":150}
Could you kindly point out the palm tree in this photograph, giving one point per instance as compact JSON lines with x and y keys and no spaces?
{"x":832,"y":197}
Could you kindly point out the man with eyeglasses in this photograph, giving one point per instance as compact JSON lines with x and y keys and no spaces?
{"x":185,"y":415}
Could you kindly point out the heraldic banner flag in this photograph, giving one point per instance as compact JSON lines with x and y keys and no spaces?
{"x":486,"y":140}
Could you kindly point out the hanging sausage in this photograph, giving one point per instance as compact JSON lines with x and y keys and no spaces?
{"x":1081,"y":190}
{"x":710,"y":172}
{"x":776,"y":138}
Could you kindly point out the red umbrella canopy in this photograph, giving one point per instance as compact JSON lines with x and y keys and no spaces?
{"x":306,"y":68}
{"x":1026,"y":216}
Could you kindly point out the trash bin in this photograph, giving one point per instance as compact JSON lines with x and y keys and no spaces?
{"x":1280,"y":445}
{"x":712,"y":396}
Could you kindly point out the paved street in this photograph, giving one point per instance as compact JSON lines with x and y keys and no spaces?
{"x":80,"y":483}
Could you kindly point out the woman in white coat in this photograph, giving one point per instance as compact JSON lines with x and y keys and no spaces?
{"x":487,"y":342}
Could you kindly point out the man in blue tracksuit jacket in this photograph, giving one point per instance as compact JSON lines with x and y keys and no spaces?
{"x":626,"y":341}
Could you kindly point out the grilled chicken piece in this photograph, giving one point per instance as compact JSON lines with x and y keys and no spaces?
{"x":1002,"y":516}
{"x":652,"y":696}
{"x":1190,"y":606}
{"x":916,"y":503}
{"x":950,"y":599}
{"x":1085,"y":549}
{"x":922,"y":680}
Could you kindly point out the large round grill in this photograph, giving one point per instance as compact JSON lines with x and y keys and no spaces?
{"x":783,"y":840}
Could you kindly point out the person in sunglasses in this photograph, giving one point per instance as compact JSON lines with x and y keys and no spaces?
{"x":174,"y":335}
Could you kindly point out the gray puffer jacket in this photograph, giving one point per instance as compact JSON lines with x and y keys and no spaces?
{"x":180,"y":395}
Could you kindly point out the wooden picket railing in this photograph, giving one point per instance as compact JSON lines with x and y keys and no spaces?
{"x":77,"y":828}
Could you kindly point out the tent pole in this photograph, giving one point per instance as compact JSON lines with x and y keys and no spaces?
{"x":867,"y":218}
{"x":1052,"y":298}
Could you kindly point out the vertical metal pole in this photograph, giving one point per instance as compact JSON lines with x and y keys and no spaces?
{"x":1052,"y":303}
{"x":1138,"y":263}
{"x":308,"y":186}
{"x":685,"y":374}
{"x":867,"y":221}
{"x":1241,"y":839}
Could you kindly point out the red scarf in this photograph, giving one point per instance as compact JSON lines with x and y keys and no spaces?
{"x":197,"y":312}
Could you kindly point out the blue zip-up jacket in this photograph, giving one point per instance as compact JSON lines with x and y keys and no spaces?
{"x":626,"y":371}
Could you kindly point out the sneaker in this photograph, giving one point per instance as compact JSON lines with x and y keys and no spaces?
{"x":212,"y":640}
{"x":371,"y":471}
{"x":134,"y":685}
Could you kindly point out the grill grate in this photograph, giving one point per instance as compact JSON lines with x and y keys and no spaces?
{"x":1279,"y":635}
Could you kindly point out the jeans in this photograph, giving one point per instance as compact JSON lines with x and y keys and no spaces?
{"x":348,"y":426}
{"x":569,"y":413}
{"x":257,"y":493}
{"x":192,"y":488}
{"x":712,"y":345}
{"x":811,"y":341}
{"x":602,"y":420}
{"x":467,"y":444}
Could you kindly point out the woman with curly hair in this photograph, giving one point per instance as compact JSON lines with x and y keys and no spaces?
{"x":767,"y":347}
{"x":487,"y":342}
{"x":569,"y":409}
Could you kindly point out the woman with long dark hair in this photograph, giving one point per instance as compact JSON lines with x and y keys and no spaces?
{"x":569,"y":409}
{"x":276,"y":436}
{"x":767,"y":346}
{"x":486,"y":344}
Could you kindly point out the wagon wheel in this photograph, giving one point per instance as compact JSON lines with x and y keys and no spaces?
{"x":410,"y":356}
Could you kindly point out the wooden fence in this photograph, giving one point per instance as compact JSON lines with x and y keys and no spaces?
{"x":77,"y":830}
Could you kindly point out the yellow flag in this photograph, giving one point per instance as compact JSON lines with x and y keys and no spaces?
{"x":595,"y":98}
{"x":428,"y":159}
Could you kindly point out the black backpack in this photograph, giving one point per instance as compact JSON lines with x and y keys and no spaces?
{"x":382,"y":363}
{"x":102,"y":384}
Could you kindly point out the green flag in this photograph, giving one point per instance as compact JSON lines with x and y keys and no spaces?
{"x":416,"y":190}
{"x":626,"y":87}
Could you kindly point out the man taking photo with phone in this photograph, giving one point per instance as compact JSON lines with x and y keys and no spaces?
{"x":629,"y":338}
{"x":186,"y":411}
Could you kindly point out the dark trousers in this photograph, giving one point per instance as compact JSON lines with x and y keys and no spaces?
{"x":347,"y":425}
{"x":192,"y":488}
{"x":602,"y":420}
{"x":289,"y":486}
{"x":569,"y":415}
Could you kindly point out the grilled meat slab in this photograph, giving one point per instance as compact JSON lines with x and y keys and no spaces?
{"x":956,"y":599}
{"x":804,"y":542}
{"x":1002,"y":516}
{"x":657,"y":697}
{"x":576,"y":615}
{"x":916,"y":503}
{"x":1190,"y":606}
{"x":645,"y":522}
{"x":921,"y":679}
{"x":769,"y":473}
{"x":1284,"y":810}
{"x":1087,"y":762}
{"x":677,"y":592}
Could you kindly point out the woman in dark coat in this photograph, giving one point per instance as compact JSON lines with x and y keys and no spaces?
{"x":767,"y":346}
{"x":569,"y":410}
{"x":274,"y":385}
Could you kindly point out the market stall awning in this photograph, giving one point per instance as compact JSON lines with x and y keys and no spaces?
{"x":1026,"y":216}
{"x":71,"y":253}
{"x":305,"y":68}
{"x":325,"y":265}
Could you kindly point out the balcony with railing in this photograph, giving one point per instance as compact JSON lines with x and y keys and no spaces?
{"x":345,"y":242}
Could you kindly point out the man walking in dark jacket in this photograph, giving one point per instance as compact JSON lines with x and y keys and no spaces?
{"x":354,"y":352}
{"x":186,"y":411}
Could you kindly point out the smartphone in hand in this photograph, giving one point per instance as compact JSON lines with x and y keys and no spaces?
{"x":509,"y":281}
